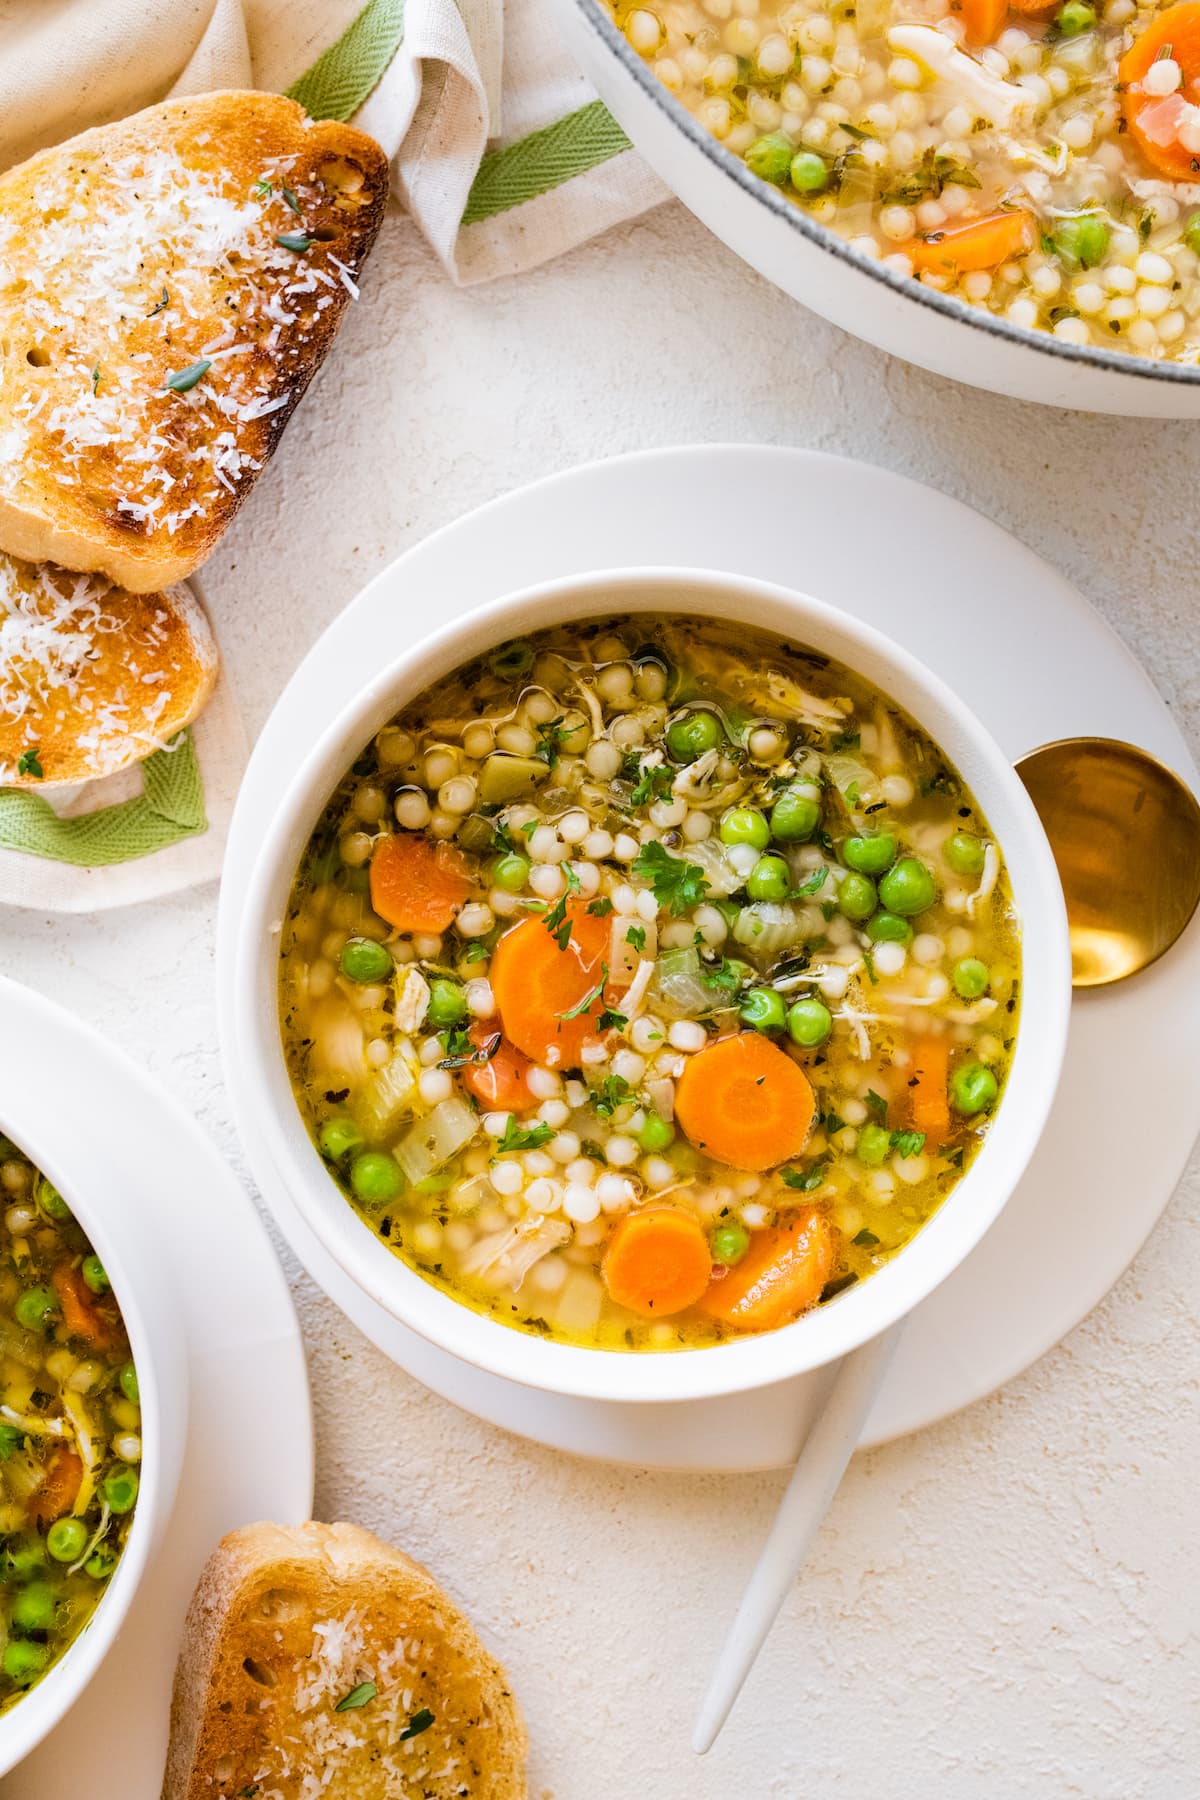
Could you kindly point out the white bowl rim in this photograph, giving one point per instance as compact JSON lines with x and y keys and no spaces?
{"x":1115,"y":362}
{"x":29,"y":1720}
{"x":529,"y":1359}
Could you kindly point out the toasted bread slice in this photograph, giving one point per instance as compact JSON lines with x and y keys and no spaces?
{"x":93,"y":678}
{"x":318,"y":1660}
{"x":168,"y":287}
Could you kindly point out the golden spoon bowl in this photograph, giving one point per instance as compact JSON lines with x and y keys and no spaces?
{"x":1125,"y":832}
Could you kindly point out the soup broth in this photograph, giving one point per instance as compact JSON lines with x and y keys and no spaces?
{"x":649,"y":981}
{"x":70,"y":1427}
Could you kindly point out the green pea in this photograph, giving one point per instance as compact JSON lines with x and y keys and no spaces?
{"x":1082,"y":240}
{"x":763,"y":1009}
{"x":66,"y":1538}
{"x":971,"y":978}
{"x":908,"y":888}
{"x":728,"y":1243}
{"x":447,"y":1004}
{"x":340,"y":1137}
{"x":1191,"y":233}
{"x":809,"y":1023}
{"x":769,"y":879}
{"x":33,"y":1608}
{"x":964,"y":852}
{"x":770,"y":157}
{"x":128,"y":1383}
{"x":23,"y":1558}
{"x":1075,"y":18}
{"x":511,"y":872}
{"x":36,"y":1307}
{"x":796,"y":813}
{"x":101,"y":1563}
{"x":869,"y":855}
{"x":376,"y":1177}
{"x":692,"y":734}
{"x":51,"y":1201}
{"x":973,"y":1089}
{"x":24,"y":1661}
{"x":656,"y":1134}
{"x":808,"y":172}
{"x":744,"y":825}
{"x":873,"y":1145}
{"x":886,"y":928}
{"x":95,"y":1274}
{"x":120,"y":1487}
{"x":857,"y":898}
{"x":364,"y":960}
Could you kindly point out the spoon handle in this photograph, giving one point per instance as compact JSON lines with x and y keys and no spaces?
{"x":819,"y":1469}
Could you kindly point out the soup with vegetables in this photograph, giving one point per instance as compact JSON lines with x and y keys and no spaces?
{"x":1040,"y":160}
{"x":648,"y":982}
{"x":70,"y":1427}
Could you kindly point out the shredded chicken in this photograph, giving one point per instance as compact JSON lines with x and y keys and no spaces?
{"x":506,"y":1257}
{"x":1000,"y":102}
{"x":987,"y":881}
{"x":809,"y":708}
{"x":635,"y":993}
{"x":412,"y":999}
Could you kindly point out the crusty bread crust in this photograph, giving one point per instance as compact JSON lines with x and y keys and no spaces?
{"x":93,"y":678}
{"x":129,"y":256}
{"x":288,"y":1620}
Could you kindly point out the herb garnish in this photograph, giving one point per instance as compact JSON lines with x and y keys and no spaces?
{"x":611,"y":1021}
{"x":11,"y":1438}
{"x":636,"y":935}
{"x":289,"y":199}
{"x":462,"y":1059}
{"x":865,"y":1238}
{"x":358,"y":1696}
{"x":550,"y":741}
{"x":836,"y":1287}
{"x":589,"y":999}
{"x":162,"y":305}
{"x":477,"y":951}
{"x":263,"y":188}
{"x":556,"y":920}
{"x":600,"y":908}
{"x":609,"y":1095}
{"x":183,"y":380}
{"x":877,"y":1103}
{"x":29,"y":763}
{"x":96,"y":379}
{"x":908,"y":1143}
{"x":420,"y":1721}
{"x":813,"y":885}
{"x":725,"y":976}
{"x":299,"y":241}
{"x":805,"y":1181}
{"x":678,"y":885}
{"x":524,"y":1137}
{"x":654,"y":783}
{"x":869,"y":966}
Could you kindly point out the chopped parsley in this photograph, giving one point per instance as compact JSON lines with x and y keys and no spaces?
{"x":678,"y":885}
{"x":611,"y":1021}
{"x":589,"y":999}
{"x":550,"y":742}
{"x":299,"y":241}
{"x":636,"y":936}
{"x":865,"y":1238}
{"x":725,"y":976}
{"x":289,"y":199}
{"x":420,"y":1721}
{"x":805,"y":1181}
{"x":837,"y":1286}
{"x":609,"y":1095}
{"x":653,"y":783}
{"x":470,"y":1055}
{"x":358,"y":1696}
{"x":11,"y":1438}
{"x":877,"y":1103}
{"x":162,"y":305}
{"x":477,"y":951}
{"x":869,"y":966}
{"x":524,"y":1137}
{"x":96,"y":379}
{"x":263,"y":188}
{"x":556,"y":920}
{"x":29,"y":763}
{"x":184,"y":380}
{"x":600,"y":908}
{"x":813,"y":885}
{"x":908,"y":1143}
{"x":502,"y":840}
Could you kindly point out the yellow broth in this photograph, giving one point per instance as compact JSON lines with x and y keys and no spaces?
{"x":681,"y":801}
{"x":70,"y":1427}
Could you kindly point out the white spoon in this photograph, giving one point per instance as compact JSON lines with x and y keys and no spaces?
{"x":822,"y":1463}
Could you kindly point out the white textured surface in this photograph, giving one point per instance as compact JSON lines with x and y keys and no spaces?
{"x":1002,"y":1607}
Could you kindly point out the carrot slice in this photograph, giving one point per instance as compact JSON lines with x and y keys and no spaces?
{"x":780,"y":1276}
{"x":58,"y":1490}
{"x":536,"y":983}
{"x":81,"y":1314}
{"x":658,"y":1262}
{"x":745,"y":1102}
{"x":929,"y":1089}
{"x":984,"y":19}
{"x":418,"y":884}
{"x":983,"y":244}
{"x":1035,"y":9}
{"x":499,"y":1084}
{"x":1154,"y":119}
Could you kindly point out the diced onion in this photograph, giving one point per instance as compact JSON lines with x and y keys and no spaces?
{"x":436,"y":1138}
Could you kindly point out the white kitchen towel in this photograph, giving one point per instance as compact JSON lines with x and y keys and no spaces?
{"x":498,"y":149}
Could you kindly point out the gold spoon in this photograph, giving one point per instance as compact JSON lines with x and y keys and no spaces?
{"x":1125,"y":833}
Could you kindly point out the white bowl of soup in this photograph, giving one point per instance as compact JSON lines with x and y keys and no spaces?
{"x":93,"y":1411}
{"x":1000,"y":194}
{"x":653,"y":986}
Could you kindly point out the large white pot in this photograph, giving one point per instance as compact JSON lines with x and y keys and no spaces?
{"x":250,"y":978}
{"x":816,"y":266}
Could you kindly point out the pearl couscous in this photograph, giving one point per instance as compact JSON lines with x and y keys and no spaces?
{"x":1040,"y":160}
{"x":672,"y":993}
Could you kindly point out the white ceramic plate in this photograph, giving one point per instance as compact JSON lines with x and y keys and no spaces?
{"x":250,"y":1447}
{"x":1036,"y":663}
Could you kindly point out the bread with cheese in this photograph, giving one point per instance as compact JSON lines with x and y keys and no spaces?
{"x":93,"y":678}
{"x":318,"y":1660}
{"x":169,"y":285}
